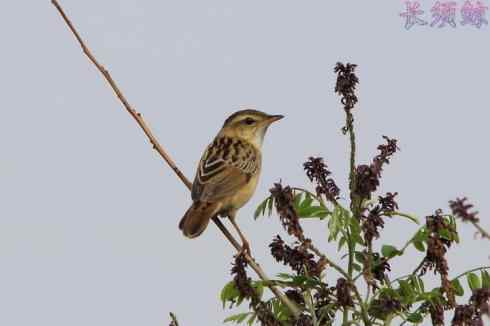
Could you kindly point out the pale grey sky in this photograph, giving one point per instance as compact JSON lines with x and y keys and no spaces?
{"x":89,"y":213}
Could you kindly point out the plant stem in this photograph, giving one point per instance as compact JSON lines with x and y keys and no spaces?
{"x":482,"y":231}
{"x":390,"y":258}
{"x":349,"y":125}
{"x":364,"y":314}
{"x":355,"y":214}
{"x":470,"y":271}
{"x":156,"y":145}
{"x":388,"y":320}
{"x":408,"y":275}
{"x":329,"y":262}
{"x":345,"y":316}
{"x":410,"y":217}
{"x":309,"y":302}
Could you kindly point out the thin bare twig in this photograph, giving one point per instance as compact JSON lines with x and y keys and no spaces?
{"x":156,"y":145}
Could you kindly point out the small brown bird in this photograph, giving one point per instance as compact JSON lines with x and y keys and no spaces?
{"x":228,"y":172}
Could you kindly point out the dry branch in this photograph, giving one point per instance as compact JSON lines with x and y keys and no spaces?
{"x":156,"y":145}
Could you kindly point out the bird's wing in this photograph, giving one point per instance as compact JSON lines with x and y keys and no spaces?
{"x":226,"y":166}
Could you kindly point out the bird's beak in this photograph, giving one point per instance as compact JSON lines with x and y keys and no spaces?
{"x":274,"y":118}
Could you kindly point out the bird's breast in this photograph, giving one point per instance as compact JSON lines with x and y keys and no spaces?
{"x":243,"y":195}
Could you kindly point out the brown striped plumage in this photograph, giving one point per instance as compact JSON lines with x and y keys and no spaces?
{"x":228,"y":171}
{"x":225,"y":157}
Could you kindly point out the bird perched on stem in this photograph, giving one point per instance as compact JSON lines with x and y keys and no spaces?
{"x":228,"y":172}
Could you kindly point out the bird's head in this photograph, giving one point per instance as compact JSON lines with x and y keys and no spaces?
{"x":249,"y":125}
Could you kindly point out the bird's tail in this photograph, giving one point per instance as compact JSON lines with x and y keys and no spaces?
{"x":197,"y":217}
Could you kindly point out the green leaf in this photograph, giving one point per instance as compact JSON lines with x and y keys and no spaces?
{"x":485,"y":279}
{"x":388,"y":292}
{"x":419,"y":245}
{"x":313,"y":211}
{"x":260,"y":210}
{"x":305,"y":208}
{"x":473,"y":281}
{"x":454,"y":227}
{"x":359,"y":256}
{"x":417,"y":284}
{"x":357,"y":267}
{"x":275,"y":307}
{"x":355,"y":226}
{"x":297,"y":200}
{"x":239,"y":301}
{"x":405,"y":289}
{"x":456,"y":237}
{"x":415,"y":317}
{"x":458,"y":289}
{"x":357,"y":238}
{"x":299,"y":280}
{"x":251,"y":320}
{"x":421,"y":235}
{"x":321,"y":214}
{"x":344,"y":213}
{"x":337,"y":220}
{"x":355,"y":229}
{"x":238,"y":318}
{"x":306,"y":202}
{"x":270,"y":204}
{"x":229,"y":293}
{"x":389,"y":251}
{"x":259,"y":288}
{"x":257,"y":211}
{"x":265,"y":205}
{"x":445,"y":234}
{"x":334,"y":224}
{"x":285,"y":276}
{"x":421,"y":284}
{"x":342,"y":242}
{"x":281,"y":312}
{"x":452,"y":220}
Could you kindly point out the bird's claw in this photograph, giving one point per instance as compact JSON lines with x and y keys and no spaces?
{"x":245,"y":249}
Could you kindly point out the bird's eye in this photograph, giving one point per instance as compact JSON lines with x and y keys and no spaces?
{"x":249,"y":121}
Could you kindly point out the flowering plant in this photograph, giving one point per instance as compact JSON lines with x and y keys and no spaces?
{"x":355,"y":228}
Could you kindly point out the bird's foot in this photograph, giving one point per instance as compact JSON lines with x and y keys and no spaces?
{"x":245,"y":250}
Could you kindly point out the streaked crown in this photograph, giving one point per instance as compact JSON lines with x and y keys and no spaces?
{"x":244,"y":114}
{"x":248,"y":124}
